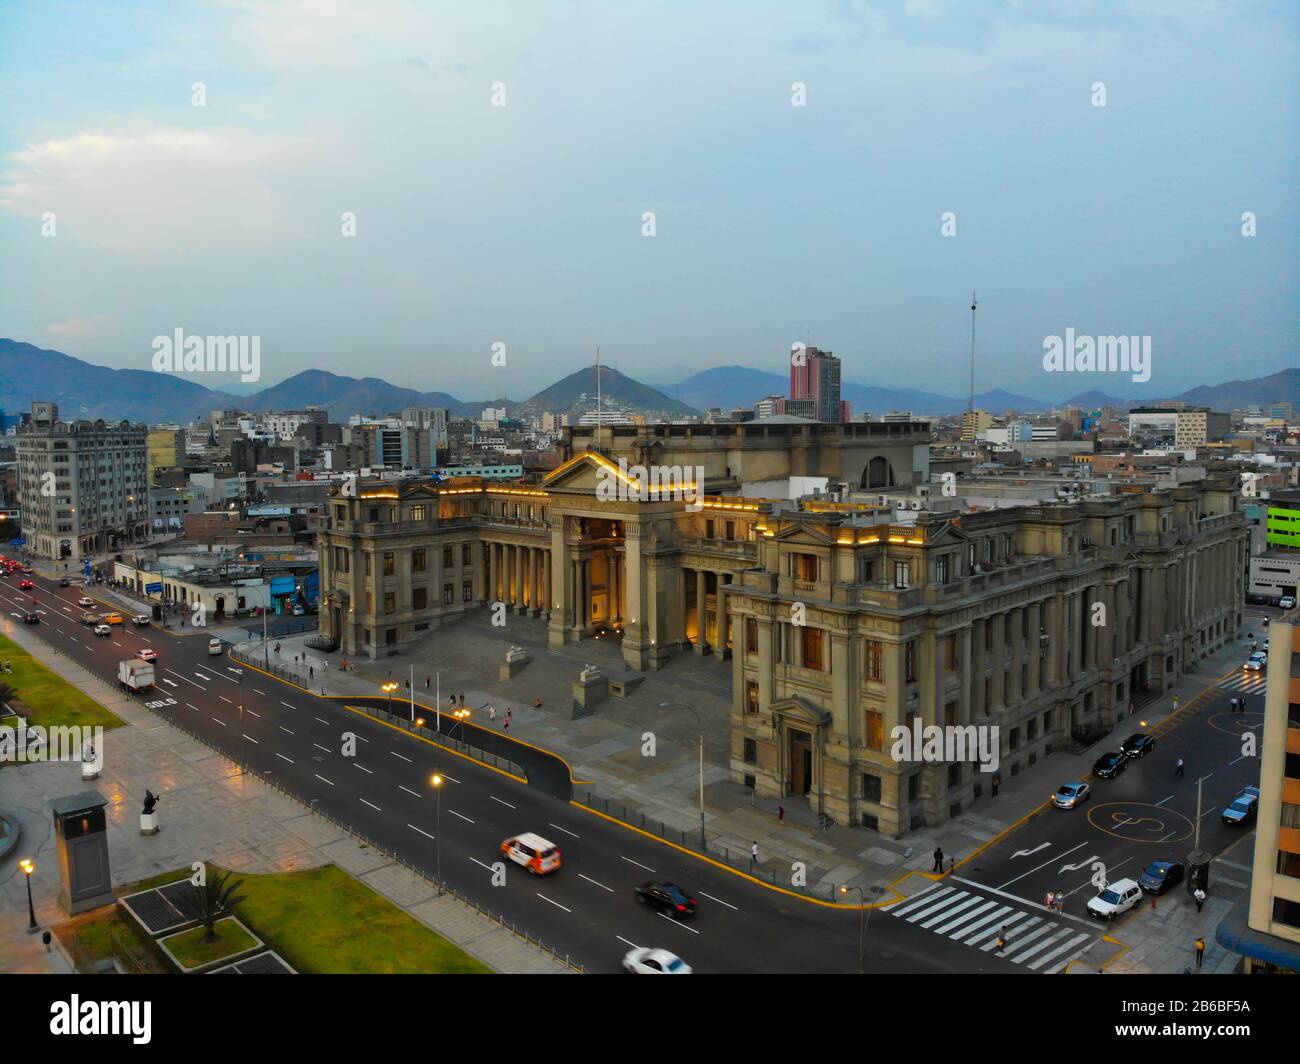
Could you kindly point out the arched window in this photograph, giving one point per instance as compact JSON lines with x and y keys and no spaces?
{"x":877,"y":474}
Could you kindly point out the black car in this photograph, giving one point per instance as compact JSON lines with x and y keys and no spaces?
{"x":1138,"y":745}
{"x":668,"y":898}
{"x":31,"y":618}
{"x":1160,"y":876}
{"x":1109,"y":766}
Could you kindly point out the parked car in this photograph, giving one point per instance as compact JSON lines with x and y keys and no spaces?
{"x":1287,"y":602}
{"x":103,"y":629}
{"x":1243,"y":808}
{"x":1108,"y":766}
{"x":1160,"y":876}
{"x":1068,"y":795}
{"x":1119,"y":897}
{"x":141,"y":619}
{"x":533,"y":852}
{"x":645,"y":961}
{"x":1137,"y":745}
{"x":147,"y":654}
{"x":298,"y":611}
{"x":1256,"y":661}
{"x":667,"y":898}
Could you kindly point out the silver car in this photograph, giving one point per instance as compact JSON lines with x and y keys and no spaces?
{"x":1068,"y":795}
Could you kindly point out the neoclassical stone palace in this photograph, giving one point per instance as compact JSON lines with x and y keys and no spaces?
{"x":839,"y":625}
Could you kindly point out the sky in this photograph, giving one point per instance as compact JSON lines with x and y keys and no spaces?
{"x":842,"y":174}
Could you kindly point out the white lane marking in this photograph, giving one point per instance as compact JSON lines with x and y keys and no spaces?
{"x":1045,"y":864}
{"x":325,"y":748}
{"x":678,"y":923}
{"x":718,"y":900}
{"x":322,"y":721}
{"x":186,"y":679}
{"x":461,"y":815}
{"x":482,"y":865}
{"x":1163,"y":800}
{"x":361,"y":767}
{"x":625,"y":942}
{"x":1024,"y":901}
{"x":372,"y":806}
{"x":637,"y":863}
{"x":225,"y":700}
{"x":170,"y":683}
{"x":220,"y":721}
{"x":396,"y":754}
{"x":251,"y":739}
{"x":202,"y":677}
{"x":557,"y":827}
{"x":257,"y":692}
{"x":286,"y":705}
{"x":496,"y":799}
{"x":284,"y":729}
{"x":251,"y":713}
{"x":188,"y":706}
{"x":408,"y":790}
{"x":592,"y":881}
{"x":283,"y":758}
{"x":323,"y":779}
{"x":555,"y":903}
{"x":420,"y":830}
{"x":1030,"y":853}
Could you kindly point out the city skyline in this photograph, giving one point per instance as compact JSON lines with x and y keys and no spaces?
{"x":523,"y":224}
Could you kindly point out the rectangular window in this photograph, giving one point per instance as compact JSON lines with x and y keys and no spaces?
{"x":419,"y":559}
{"x":950,"y":653}
{"x":751,"y":697}
{"x":874,"y":658}
{"x":751,"y":635}
{"x":708,"y":528}
{"x":446,"y":557}
{"x":751,"y":751}
{"x":390,"y":602}
{"x":941,"y":570}
{"x":466,"y":553}
{"x":342,"y":560}
{"x":812,"y":648}
{"x":804,"y":567}
{"x":389,"y":565}
{"x":366,"y":560}
{"x":873,"y":734}
{"x":866,"y":571}
{"x":900,"y":574}
{"x":419,"y":513}
{"x":909,"y":661}
{"x":447,"y":591}
{"x":466,"y":591}
{"x":731,"y":530}
{"x":419,"y":598}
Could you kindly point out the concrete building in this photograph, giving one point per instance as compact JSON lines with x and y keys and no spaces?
{"x":1195,"y":426}
{"x":1267,"y":935}
{"x":165,"y":449}
{"x":815,"y":381}
{"x":82,"y":484}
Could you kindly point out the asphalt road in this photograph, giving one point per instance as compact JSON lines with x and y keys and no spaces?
{"x":588,"y":909}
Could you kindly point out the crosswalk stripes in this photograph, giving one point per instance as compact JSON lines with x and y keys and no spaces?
{"x":976,"y":921}
{"x":1251,"y":682}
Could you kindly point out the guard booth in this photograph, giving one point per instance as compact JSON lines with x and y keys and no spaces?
{"x":1198,"y":871}
{"x":85,"y":881}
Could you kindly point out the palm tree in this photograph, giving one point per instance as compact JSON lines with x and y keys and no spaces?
{"x":212,"y":900}
{"x":7,"y":692}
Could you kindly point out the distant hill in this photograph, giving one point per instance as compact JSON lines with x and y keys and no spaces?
{"x":84,"y":390}
{"x":1281,"y":387}
{"x":564,"y":394}
{"x":344,"y":396}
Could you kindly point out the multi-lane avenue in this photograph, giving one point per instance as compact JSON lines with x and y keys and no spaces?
{"x":588,"y":909}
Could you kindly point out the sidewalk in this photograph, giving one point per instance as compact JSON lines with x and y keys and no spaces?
{"x":606,"y":747}
{"x":208,"y":811}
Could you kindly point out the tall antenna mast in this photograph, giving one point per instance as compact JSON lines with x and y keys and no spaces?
{"x":970,"y":405}
{"x":598,"y":387}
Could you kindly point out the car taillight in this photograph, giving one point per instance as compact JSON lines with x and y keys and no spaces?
{"x":681,"y":908}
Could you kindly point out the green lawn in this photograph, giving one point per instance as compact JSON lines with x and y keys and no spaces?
{"x":192,"y":949}
{"x":323,"y":921}
{"x":51,"y":700}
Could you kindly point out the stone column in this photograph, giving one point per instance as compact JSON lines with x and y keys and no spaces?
{"x":1035,"y":647}
{"x":560,"y":573}
{"x":978,"y":703}
{"x":520,"y":585}
{"x":998,"y":695}
{"x":701,"y":612}
{"x":1016,"y":618}
{"x":966,"y":703}
{"x":636,"y":641}
{"x":724,"y":626}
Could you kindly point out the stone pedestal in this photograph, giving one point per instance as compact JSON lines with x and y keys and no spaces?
{"x":515,"y":661}
{"x":589,"y":690}
{"x":89,"y":770}
{"x":148,"y":823}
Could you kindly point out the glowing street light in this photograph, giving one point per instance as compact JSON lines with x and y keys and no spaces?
{"x":436,"y":782}
{"x":28,"y":868}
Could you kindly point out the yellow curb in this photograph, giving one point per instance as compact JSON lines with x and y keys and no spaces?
{"x":423,"y":739}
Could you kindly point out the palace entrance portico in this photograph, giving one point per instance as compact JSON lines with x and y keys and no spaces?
{"x":615,"y":565}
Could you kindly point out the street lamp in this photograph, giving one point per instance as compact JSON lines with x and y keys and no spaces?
{"x":436,"y":781}
{"x":28,"y":868}
{"x":389,"y":688}
{"x":862,"y":921}
{"x":682,"y":705}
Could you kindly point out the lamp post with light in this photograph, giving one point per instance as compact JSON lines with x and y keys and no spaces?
{"x":700,"y":724}
{"x":862,"y":921}
{"x":28,"y":868}
{"x":436,"y":781}
{"x":389,"y":687}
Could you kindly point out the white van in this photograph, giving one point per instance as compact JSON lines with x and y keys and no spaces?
{"x":1118,"y":897}
{"x":214,"y":646}
{"x":533,"y":852}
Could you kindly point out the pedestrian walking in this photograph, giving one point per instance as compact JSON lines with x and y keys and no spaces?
{"x":462,"y":699}
{"x":1002,"y":940}
{"x":780,"y":814}
{"x":311,"y":672}
{"x":509,"y":713}
{"x":1175,"y":703}
{"x":1178,"y":769}
{"x":1199,"y":895}
{"x":426,"y":682}
{"x":1051,"y":900}
{"x":753,"y":855}
{"x":1060,"y":902}
{"x":938,"y":859}
{"x":1200,"y":950}
{"x":492,"y":712}
{"x":506,"y":725}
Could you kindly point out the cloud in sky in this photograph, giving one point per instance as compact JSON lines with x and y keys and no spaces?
{"x":522,"y":224}
{"x":80,"y":327}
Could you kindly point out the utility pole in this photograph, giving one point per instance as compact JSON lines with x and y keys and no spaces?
{"x":970,"y":403}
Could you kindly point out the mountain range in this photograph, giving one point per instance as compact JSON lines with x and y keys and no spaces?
{"x":84,"y":390}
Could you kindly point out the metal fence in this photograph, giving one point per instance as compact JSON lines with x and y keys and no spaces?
{"x":689,"y":838}
{"x":146,"y":698}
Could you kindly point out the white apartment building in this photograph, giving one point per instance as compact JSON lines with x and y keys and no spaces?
{"x":82,"y":485}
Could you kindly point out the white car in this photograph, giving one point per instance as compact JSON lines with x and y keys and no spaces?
{"x":1287,"y":602}
{"x":1256,"y":661}
{"x":214,"y":646}
{"x":147,"y":654}
{"x":85,"y":602}
{"x":1118,"y":897}
{"x":103,"y":629}
{"x":646,"y":961}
